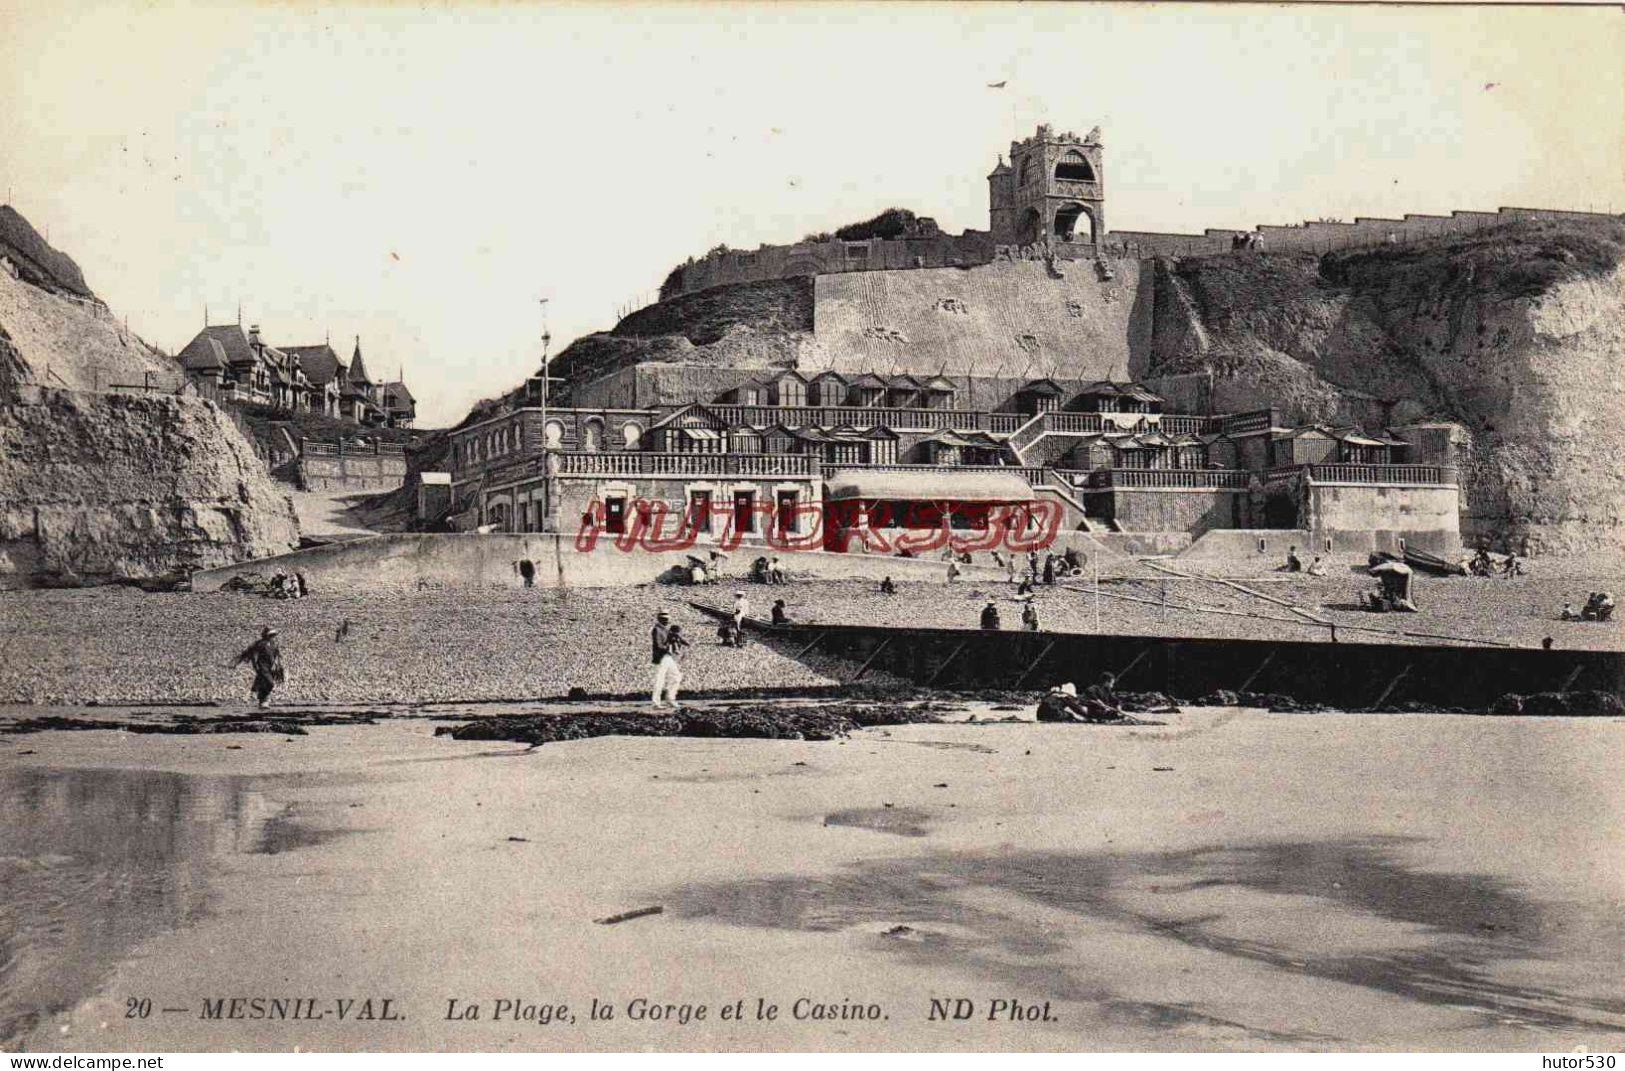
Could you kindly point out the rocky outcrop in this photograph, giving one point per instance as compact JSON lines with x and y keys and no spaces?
{"x":1517,"y":334}
{"x":34,"y":260}
{"x":742,"y":325}
{"x":103,"y":487}
{"x":100,"y":485}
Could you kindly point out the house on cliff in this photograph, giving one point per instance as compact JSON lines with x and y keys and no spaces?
{"x":229,"y":364}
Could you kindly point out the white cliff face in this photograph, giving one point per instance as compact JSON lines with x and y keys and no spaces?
{"x":1554,"y":452}
{"x":100,"y":487}
{"x":1512,"y":341}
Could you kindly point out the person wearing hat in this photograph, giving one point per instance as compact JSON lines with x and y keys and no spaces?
{"x":665,"y":639}
{"x":266,"y":659}
{"x":990,"y":616}
{"x":1029,"y":616}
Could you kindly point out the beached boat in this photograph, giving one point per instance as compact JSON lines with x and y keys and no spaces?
{"x":1432,"y":563}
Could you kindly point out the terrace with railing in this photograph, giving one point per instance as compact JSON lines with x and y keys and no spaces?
{"x":829,"y":416}
{"x":652,"y":463}
{"x":312,"y":448}
{"x":1411,"y":475}
{"x":1164,"y":479}
{"x":1031,"y":473}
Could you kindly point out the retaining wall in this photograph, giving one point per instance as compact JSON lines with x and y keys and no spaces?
{"x":439,"y":561}
{"x":383,"y":472}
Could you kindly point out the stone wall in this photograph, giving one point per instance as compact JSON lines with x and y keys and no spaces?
{"x":413,"y":562}
{"x":978,"y":247}
{"x":1173,"y":509}
{"x":1016,"y":319}
{"x":1324,"y":237}
{"x":1425,"y":517}
{"x":365,"y":472}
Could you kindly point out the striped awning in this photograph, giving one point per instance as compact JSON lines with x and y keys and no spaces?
{"x":702,"y":434}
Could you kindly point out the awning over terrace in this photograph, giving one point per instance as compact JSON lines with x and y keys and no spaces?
{"x":891,"y":485}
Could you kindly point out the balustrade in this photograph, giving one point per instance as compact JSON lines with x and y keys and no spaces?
{"x":1192,"y":479}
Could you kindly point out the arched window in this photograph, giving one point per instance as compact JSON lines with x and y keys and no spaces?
{"x":1074,"y":167}
{"x":1026,"y":175}
{"x":631,"y":434}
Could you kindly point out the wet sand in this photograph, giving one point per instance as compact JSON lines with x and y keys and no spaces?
{"x":1229,"y":880}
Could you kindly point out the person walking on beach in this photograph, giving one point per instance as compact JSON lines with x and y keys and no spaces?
{"x":1029,"y":617}
{"x":666,"y":639}
{"x":740,"y":611}
{"x":265,"y":656}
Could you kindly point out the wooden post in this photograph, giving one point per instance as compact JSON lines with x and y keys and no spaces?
{"x":947,"y":662}
{"x":1132,"y":663}
{"x":1386,"y":692}
{"x":1034,"y":664}
{"x":1573,"y":676}
{"x":885,"y":643}
{"x":1246,"y":684}
{"x":1096,"y":559}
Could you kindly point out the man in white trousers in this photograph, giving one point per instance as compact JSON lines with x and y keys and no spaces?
{"x":665,"y":641}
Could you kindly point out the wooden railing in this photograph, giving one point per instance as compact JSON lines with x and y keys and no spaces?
{"x":1154,"y":479}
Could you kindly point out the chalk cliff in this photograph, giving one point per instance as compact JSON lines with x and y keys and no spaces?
{"x":1517,"y":334}
{"x":99,"y":482}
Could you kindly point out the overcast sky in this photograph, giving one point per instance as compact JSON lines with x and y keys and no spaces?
{"x":421,"y":177}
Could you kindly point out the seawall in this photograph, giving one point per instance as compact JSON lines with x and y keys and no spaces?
{"x":440,"y":561}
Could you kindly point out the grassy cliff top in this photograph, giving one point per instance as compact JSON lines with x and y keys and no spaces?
{"x":1524,"y":258}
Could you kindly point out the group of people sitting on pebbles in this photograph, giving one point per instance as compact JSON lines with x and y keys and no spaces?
{"x":1599,"y":607}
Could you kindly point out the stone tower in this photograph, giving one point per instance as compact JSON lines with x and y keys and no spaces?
{"x":1053,"y":187}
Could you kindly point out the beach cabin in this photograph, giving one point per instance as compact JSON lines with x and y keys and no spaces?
{"x":694,"y":429}
{"x":868,"y":390}
{"x":1039,"y":396}
{"x":939,"y":392}
{"x":905,"y":392}
{"x":786,"y":389}
{"x":827,"y":389}
{"x":1311,"y":445}
{"x":1103,"y":396}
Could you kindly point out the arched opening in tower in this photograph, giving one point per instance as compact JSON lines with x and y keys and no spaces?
{"x":1031,"y":229}
{"x":1073,"y":166}
{"x":1074,"y":223}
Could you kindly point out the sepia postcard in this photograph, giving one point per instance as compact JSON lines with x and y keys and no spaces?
{"x":811,"y":527}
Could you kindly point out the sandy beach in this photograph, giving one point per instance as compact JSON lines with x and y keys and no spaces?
{"x":1228,"y":880}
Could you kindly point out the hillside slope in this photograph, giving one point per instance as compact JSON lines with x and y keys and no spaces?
{"x":742,"y":325}
{"x":1517,"y":333}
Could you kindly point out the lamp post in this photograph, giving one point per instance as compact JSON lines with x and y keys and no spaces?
{"x":550,"y":483}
